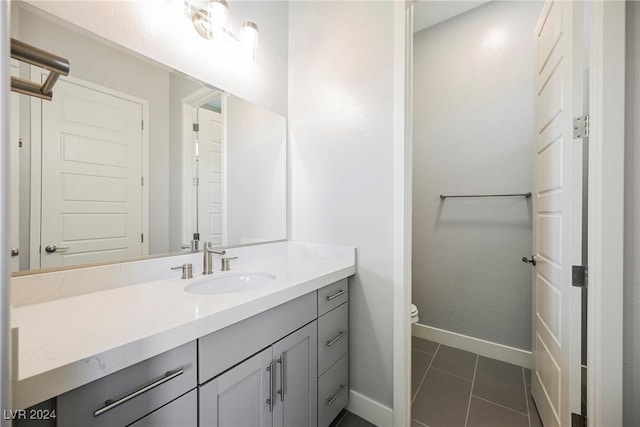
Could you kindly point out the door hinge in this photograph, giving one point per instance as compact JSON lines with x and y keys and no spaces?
{"x":581,"y":127}
{"x":142,"y":181}
{"x":578,"y":420}
{"x":20,"y":143}
{"x":141,"y":237}
{"x":142,"y":124}
{"x":196,"y":127}
{"x":579,"y":276}
{"x":196,"y":182}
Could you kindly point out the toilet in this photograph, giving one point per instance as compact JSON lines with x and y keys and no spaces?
{"x":414,"y":314}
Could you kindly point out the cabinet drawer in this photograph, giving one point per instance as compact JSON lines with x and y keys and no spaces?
{"x":333,"y":337}
{"x":127,"y":395}
{"x":333,"y":391}
{"x":332,"y":296}
{"x":182,"y":412}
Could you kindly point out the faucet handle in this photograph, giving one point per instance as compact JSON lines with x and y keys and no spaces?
{"x":187,"y":270}
{"x":225,"y":263}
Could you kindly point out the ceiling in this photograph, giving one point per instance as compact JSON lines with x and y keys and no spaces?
{"x":429,"y":12}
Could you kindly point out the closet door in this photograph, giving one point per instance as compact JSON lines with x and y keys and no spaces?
{"x":557,"y":213}
{"x":92,"y":140}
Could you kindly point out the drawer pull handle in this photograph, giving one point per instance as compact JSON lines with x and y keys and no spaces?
{"x":269,"y":401}
{"x":336,"y":295}
{"x":282,"y":360}
{"x":333,"y":398}
{"x":110,"y":404}
{"x":333,"y":341}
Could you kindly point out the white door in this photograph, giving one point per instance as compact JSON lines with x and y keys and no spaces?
{"x":91,"y":176}
{"x":210,"y":173}
{"x":557,"y":213}
{"x":14,"y":160}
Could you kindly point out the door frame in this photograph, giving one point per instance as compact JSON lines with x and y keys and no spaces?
{"x":605,"y":223}
{"x":402,"y":210}
{"x":35,"y":221}
{"x":188,"y":105}
{"x":606,"y":213}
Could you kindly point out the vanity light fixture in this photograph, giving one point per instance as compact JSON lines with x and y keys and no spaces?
{"x":210,"y":22}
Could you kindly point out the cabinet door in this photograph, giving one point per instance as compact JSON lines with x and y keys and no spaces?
{"x":240,"y":396}
{"x":296,"y":359}
{"x":182,"y":412}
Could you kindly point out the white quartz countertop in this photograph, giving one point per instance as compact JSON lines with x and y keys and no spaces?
{"x":68,"y":342}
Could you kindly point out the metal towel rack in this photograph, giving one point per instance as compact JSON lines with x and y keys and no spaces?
{"x":56,"y":65}
{"x":527,"y":195}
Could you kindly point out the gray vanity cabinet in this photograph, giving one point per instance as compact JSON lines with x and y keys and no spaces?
{"x":239,"y":396}
{"x":284,"y":367}
{"x":276,"y":387}
{"x":182,"y":412}
{"x":333,"y":351}
{"x":129,"y":395}
{"x":296,"y":380}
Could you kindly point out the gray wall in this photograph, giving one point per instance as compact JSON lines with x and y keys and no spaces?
{"x":473,"y":134}
{"x":341,"y":163}
{"x":632,"y":222}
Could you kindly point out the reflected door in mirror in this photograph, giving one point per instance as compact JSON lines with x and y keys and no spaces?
{"x":91,"y":179}
{"x":210,"y":171}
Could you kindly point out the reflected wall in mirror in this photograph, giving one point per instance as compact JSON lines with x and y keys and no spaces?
{"x":131,"y":158}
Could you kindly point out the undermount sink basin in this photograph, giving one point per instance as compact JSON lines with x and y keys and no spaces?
{"x":229,"y":283}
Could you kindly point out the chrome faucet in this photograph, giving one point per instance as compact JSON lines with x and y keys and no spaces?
{"x":207,"y":262}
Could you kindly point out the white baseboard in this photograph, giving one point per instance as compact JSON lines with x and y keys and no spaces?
{"x":370,"y":410}
{"x":490,"y":349}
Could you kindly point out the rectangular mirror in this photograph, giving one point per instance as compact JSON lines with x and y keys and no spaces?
{"x":132,"y":159}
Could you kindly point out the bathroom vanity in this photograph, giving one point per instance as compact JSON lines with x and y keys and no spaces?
{"x":275,"y":355}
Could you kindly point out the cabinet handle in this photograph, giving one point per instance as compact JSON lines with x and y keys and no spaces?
{"x":110,"y":404}
{"x":333,"y":398}
{"x":282,"y":361}
{"x":336,"y":295}
{"x":270,"y":399}
{"x":333,"y":341}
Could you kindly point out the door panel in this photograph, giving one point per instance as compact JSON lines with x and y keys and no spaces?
{"x":296,"y":396}
{"x":210,"y":172}
{"x":557,"y":207}
{"x":14,"y":165}
{"x":91,"y":175}
{"x":239,"y":396}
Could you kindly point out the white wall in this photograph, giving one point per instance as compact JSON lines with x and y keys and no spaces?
{"x":631,"y":373}
{"x":256,"y":173}
{"x":341,"y":163}
{"x":473,"y":134}
{"x":153,"y":29}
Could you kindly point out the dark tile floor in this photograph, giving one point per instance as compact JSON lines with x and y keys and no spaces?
{"x":349,"y":419}
{"x":455,"y":388}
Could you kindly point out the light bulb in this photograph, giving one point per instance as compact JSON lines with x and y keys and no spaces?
{"x":218,"y":12}
{"x":249,"y":35}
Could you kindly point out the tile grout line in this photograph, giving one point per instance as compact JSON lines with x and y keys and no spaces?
{"x":526,"y":397}
{"x":453,"y":375}
{"x":475,"y":369}
{"x":502,"y":406}
{"x":418,"y":422}
{"x":425,"y":373}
